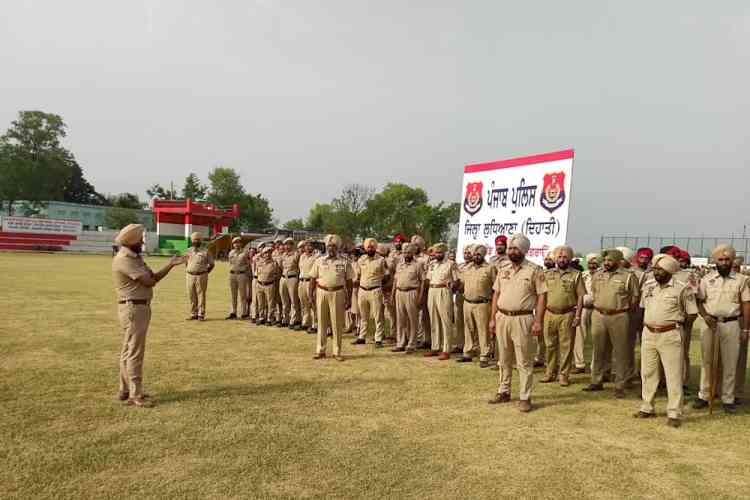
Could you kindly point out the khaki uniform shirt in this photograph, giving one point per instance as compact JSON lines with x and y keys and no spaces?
{"x":614,"y":290}
{"x":306,"y":263}
{"x":198,"y":261}
{"x":290,"y":263}
{"x":238,"y":261}
{"x":667,"y":304}
{"x":500,"y":261}
{"x":127,"y":267}
{"x":409,"y":274}
{"x":267,"y":270}
{"x":688,"y":277}
{"x":588,"y":299}
{"x":332,"y":272}
{"x":564,"y":288}
{"x":372,"y":271}
{"x":722,"y":297}
{"x":477,"y":280}
{"x":442,"y":273}
{"x":519,"y":287}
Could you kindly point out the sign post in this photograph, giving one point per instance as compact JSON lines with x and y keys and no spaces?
{"x":529,"y":195}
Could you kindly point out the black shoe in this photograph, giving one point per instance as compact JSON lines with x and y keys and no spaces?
{"x":464,"y":359}
{"x":260,"y":322}
{"x":398,"y":349}
{"x":674,"y":422}
{"x":358,"y":341}
{"x":484,"y":364}
{"x":730,"y":408}
{"x":500,"y":398}
{"x":643,"y":414}
{"x":379,"y":345}
{"x":293,"y":328}
{"x":593,"y":387}
{"x":231,"y":316}
{"x":699,"y":404}
{"x":283,"y":325}
{"x":424,"y":345}
{"x":245,"y":316}
{"x":312,"y":330}
{"x":738,"y":401}
{"x":538,"y":364}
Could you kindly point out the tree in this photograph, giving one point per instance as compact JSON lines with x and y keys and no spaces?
{"x":349,"y":208}
{"x":320,"y":218}
{"x":295,"y":225}
{"x":78,"y":190}
{"x":193,"y":188}
{"x":34,"y":166}
{"x":433,"y":222}
{"x":158,"y":191}
{"x":126,"y":200}
{"x":118,"y":217}
{"x":226,"y":190}
{"x":395,"y":210}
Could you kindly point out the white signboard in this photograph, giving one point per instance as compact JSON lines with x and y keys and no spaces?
{"x":529,"y":195}
{"x":42,"y":226}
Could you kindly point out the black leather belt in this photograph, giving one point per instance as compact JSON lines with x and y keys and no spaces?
{"x":726,"y":320}
{"x":478,"y":301}
{"x":516,"y":313}
{"x":305,"y":279}
{"x":266,"y":283}
{"x":289,"y":276}
{"x":137,"y":302}
{"x":237,"y":272}
{"x":369,"y":289}
{"x":197,"y":274}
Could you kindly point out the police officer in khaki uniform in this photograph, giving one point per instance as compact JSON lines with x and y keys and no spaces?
{"x":500,"y":258}
{"x":476,"y":280}
{"x":441,"y":277}
{"x":459,"y":331}
{"x":199,"y":264}
{"x":723,"y":301}
{"x":278,"y":310}
{"x":239,"y":278}
{"x":564,"y":308}
{"x":685,"y":275}
{"x":423,"y":330}
{"x":407,"y":296}
{"x":389,"y":308}
{"x":615,"y":293}
{"x":517,"y":316}
{"x":668,"y":303}
{"x":267,"y":271}
{"x":371,"y":273}
{"x":134,"y":282}
{"x":584,"y":329}
{"x":289,"y":286}
{"x":250,"y":253}
{"x":330,"y":289}
{"x":306,"y":261}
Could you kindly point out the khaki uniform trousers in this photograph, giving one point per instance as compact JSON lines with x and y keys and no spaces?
{"x":407,"y":319}
{"x":613,"y":330}
{"x":331,"y":307}
{"x":266,"y":301}
{"x":476,"y":330}
{"x":559,"y":339}
{"x":309,"y":313}
{"x":729,"y":348}
{"x":458,"y":315}
{"x":196,"y":288}
{"x":389,"y":315}
{"x":633,"y":334}
{"x":239,"y":284}
{"x":541,"y":350}
{"x":661,"y":349}
{"x":134,"y":321}
{"x":254,"y":299}
{"x":371,"y":306}
{"x":582,"y":333}
{"x":290,"y":313}
{"x":687,"y":336}
{"x":277,"y":305}
{"x":739,"y":382}
{"x":440,"y":305}
{"x":423,"y":330}
{"x":515,"y":345}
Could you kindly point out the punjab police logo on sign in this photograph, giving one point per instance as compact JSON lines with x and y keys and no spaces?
{"x":553,"y":191}
{"x":473,"y":198}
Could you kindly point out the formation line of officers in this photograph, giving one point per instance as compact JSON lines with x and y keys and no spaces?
{"x":506,"y":311}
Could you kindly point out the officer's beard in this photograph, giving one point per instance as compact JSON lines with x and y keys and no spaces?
{"x":662,"y":278}
{"x":397,"y":246}
{"x":371,"y":253}
{"x":549,"y":265}
{"x":136,"y":249}
{"x":408,"y":258}
{"x":516,"y":258}
{"x":724,"y":270}
{"x":439,"y":258}
{"x":332,"y":252}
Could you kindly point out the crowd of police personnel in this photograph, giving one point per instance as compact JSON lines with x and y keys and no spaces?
{"x":505,"y":310}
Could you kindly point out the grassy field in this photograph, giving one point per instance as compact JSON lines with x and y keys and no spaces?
{"x":245,"y":412}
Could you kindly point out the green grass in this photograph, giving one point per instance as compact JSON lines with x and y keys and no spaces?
{"x":245,"y":412}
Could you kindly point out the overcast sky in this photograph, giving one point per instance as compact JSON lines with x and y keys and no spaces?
{"x":303,"y":97}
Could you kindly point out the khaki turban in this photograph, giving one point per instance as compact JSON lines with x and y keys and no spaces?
{"x":627,"y":254}
{"x":289,"y":240}
{"x":480,"y":250}
{"x":613,"y":254}
{"x":196,"y":237}
{"x":519,"y":241}
{"x":724,"y":249}
{"x":666,"y":262}
{"x":409,"y":247}
{"x":267,"y":249}
{"x":333,"y":239}
{"x":370,"y":241}
{"x":440,"y":247}
{"x":563,"y":249}
{"x":592,"y":256}
{"x":301,"y":244}
{"x":130,"y":235}
{"x":382,"y":249}
{"x":418,"y":240}
{"x":236,"y":239}
{"x":469,"y":247}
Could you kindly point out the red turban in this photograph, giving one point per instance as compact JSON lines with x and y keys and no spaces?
{"x":399,"y":238}
{"x":501,"y":239}
{"x":674,"y":252}
{"x":645,"y":252}
{"x":684,"y":256}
